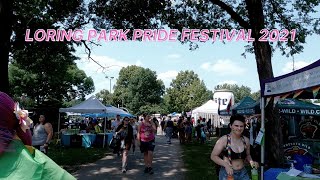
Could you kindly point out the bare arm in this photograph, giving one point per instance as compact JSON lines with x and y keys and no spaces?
{"x":154,"y":127}
{"x":49,"y":130}
{"x":138,"y":132}
{"x":218,"y":148}
{"x":249,"y":158}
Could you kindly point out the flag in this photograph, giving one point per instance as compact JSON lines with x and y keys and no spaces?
{"x":315,"y":91}
{"x":229,"y":105}
{"x":275,"y":100}
{"x":219,"y":106}
{"x":297,"y":93}
{"x":267,"y":102}
{"x":285,"y":96}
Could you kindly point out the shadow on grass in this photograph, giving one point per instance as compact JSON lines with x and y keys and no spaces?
{"x":71,"y":159}
{"x":197,"y":160}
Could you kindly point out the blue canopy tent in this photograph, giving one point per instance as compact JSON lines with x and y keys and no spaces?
{"x":111,"y":111}
{"x":93,"y":106}
{"x":239,"y":107}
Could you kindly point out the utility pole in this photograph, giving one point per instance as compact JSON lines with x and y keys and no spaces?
{"x":110,"y":81}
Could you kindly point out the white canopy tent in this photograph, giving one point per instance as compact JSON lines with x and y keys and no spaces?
{"x":91,"y":105}
{"x":208,"y":110}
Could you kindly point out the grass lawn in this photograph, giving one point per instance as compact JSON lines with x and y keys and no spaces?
{"x":71,"y":158}
{"x":197,"y":160}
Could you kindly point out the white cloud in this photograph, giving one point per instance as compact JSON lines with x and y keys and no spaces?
{"x":174,"y":56}
{"x":297,"y":65}
{"x":139,"y":63}
{"x":98,"y":73}
{"x":167,"y":77}
{"x":109,"y":64}
{"x":224,"y":68}
{"x":227,"y":82}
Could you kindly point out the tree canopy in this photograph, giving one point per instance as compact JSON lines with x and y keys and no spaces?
{"x":186,"y":92}
{"x":106,"y":96}
{"x":46,"y":70}
{"x":137,"y":87}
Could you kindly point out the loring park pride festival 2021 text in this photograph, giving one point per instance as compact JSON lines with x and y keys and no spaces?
{"x":158,"y":35}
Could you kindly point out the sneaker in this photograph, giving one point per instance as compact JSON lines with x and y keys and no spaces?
{"x":150,"y":170}
{"x":124,"y":170}
{"x":146,"y":170}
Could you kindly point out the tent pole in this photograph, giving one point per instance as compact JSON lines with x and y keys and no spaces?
{"x":104,"y":132}
{"x":59,"y":127}
{"x":263,"y":129}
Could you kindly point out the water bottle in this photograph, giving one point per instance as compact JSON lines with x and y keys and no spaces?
{"x":307,"y":168}
{"x":292,"y":166}
{"x":43,"y":149}
{"x":230,"y":177}
{"x":254,"y":174}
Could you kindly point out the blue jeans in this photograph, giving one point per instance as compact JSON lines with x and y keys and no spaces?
{"x":169,"y":131}
{"x":241,"y":174}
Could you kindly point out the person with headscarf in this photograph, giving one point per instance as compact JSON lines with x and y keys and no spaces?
{"x":18,"y":159}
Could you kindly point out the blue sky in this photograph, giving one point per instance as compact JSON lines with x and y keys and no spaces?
{"x":215,"y":63}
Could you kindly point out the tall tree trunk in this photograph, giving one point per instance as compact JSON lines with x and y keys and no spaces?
{"x":263,"y":53}
{"x":5,"y":34}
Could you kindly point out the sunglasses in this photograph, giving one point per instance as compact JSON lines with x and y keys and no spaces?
{"x":126,"y":120}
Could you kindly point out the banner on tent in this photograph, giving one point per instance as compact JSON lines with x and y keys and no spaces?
{"x":246,"y":111}
{"x":315,"y":112}
{"x":295,"y":148}
{"x":309,"y":128}
{"x":297,"y":81}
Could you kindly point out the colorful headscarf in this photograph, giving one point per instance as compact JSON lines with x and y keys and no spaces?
{"x":10,"y":124}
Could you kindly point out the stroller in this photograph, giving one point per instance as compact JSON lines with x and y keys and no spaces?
{"x":115,"y":144}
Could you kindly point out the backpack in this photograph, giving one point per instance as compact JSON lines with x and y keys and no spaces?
{"x":170,"y":123}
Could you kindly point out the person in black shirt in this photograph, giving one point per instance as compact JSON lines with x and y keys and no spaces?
{"x":125,"y":131}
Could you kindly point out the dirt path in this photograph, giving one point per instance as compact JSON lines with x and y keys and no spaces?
{"x":167,"y":164}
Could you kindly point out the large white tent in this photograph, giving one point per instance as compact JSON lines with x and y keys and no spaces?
{"x":208,"y":110}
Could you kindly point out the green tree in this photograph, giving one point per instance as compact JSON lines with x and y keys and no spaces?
{"x":186,"y":92}
{"x":152,"y":109}
{"x":106,"y":96}
{"x":46,"y":70}
{"x":255,"y":15}
{"x":238,"y":92}
{"x":256,"y":95}
{"x":137,"y":87}
{"x":22,"y":15}
{"x":40,"y":82}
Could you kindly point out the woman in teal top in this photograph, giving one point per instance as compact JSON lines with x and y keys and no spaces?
{"x":18,"y":159}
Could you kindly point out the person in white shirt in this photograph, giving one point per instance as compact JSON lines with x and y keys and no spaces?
{"x":116,"y":123}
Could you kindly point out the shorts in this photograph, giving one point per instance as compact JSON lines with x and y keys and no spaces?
{"x":127,"y":146}
{"x":241,"y":174}
{"x":147,"y":146}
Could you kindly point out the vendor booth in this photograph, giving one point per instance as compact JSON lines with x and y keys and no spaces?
{"x":300,"y":84}
{"x":238,"y":108}
{"x":91,"y":105}
{"x":208,"y":110}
